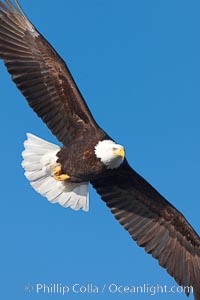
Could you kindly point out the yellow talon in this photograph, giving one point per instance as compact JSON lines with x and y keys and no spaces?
{"x":58,"y":174}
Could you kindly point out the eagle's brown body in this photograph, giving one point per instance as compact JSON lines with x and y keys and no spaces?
{"x":45,"y":81}
{"x":83,"y":165}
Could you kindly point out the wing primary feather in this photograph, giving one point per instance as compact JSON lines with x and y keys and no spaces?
{"x":5,"y":8}
{"x":12,"y":7}
{"x":12,"y":41}
{"x":20,"y":9}
{"x":9,"y":22}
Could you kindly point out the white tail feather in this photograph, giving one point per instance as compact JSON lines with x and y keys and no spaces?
{"x":39,"y":161}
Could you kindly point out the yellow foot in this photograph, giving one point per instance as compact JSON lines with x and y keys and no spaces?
{"x":58,"y":174}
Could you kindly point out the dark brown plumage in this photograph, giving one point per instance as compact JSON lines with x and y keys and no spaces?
{"x":46,"y":83}
{"x":154,"y":224}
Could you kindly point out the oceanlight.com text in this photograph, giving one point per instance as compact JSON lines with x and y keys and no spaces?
{"x":106,"y":288}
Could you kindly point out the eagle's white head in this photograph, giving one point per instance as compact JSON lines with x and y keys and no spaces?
{"x":110,"y":153}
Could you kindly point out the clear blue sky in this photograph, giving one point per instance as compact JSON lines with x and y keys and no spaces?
{"x":137,"y":64}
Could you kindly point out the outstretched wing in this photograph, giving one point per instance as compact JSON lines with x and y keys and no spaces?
{"x":42,"y":76}
{"x":154,"y":224}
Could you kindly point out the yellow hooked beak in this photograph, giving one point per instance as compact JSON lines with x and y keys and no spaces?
{"x":119,"y":152}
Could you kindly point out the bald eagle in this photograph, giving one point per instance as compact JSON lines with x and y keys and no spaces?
{"x":88,"y":154}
